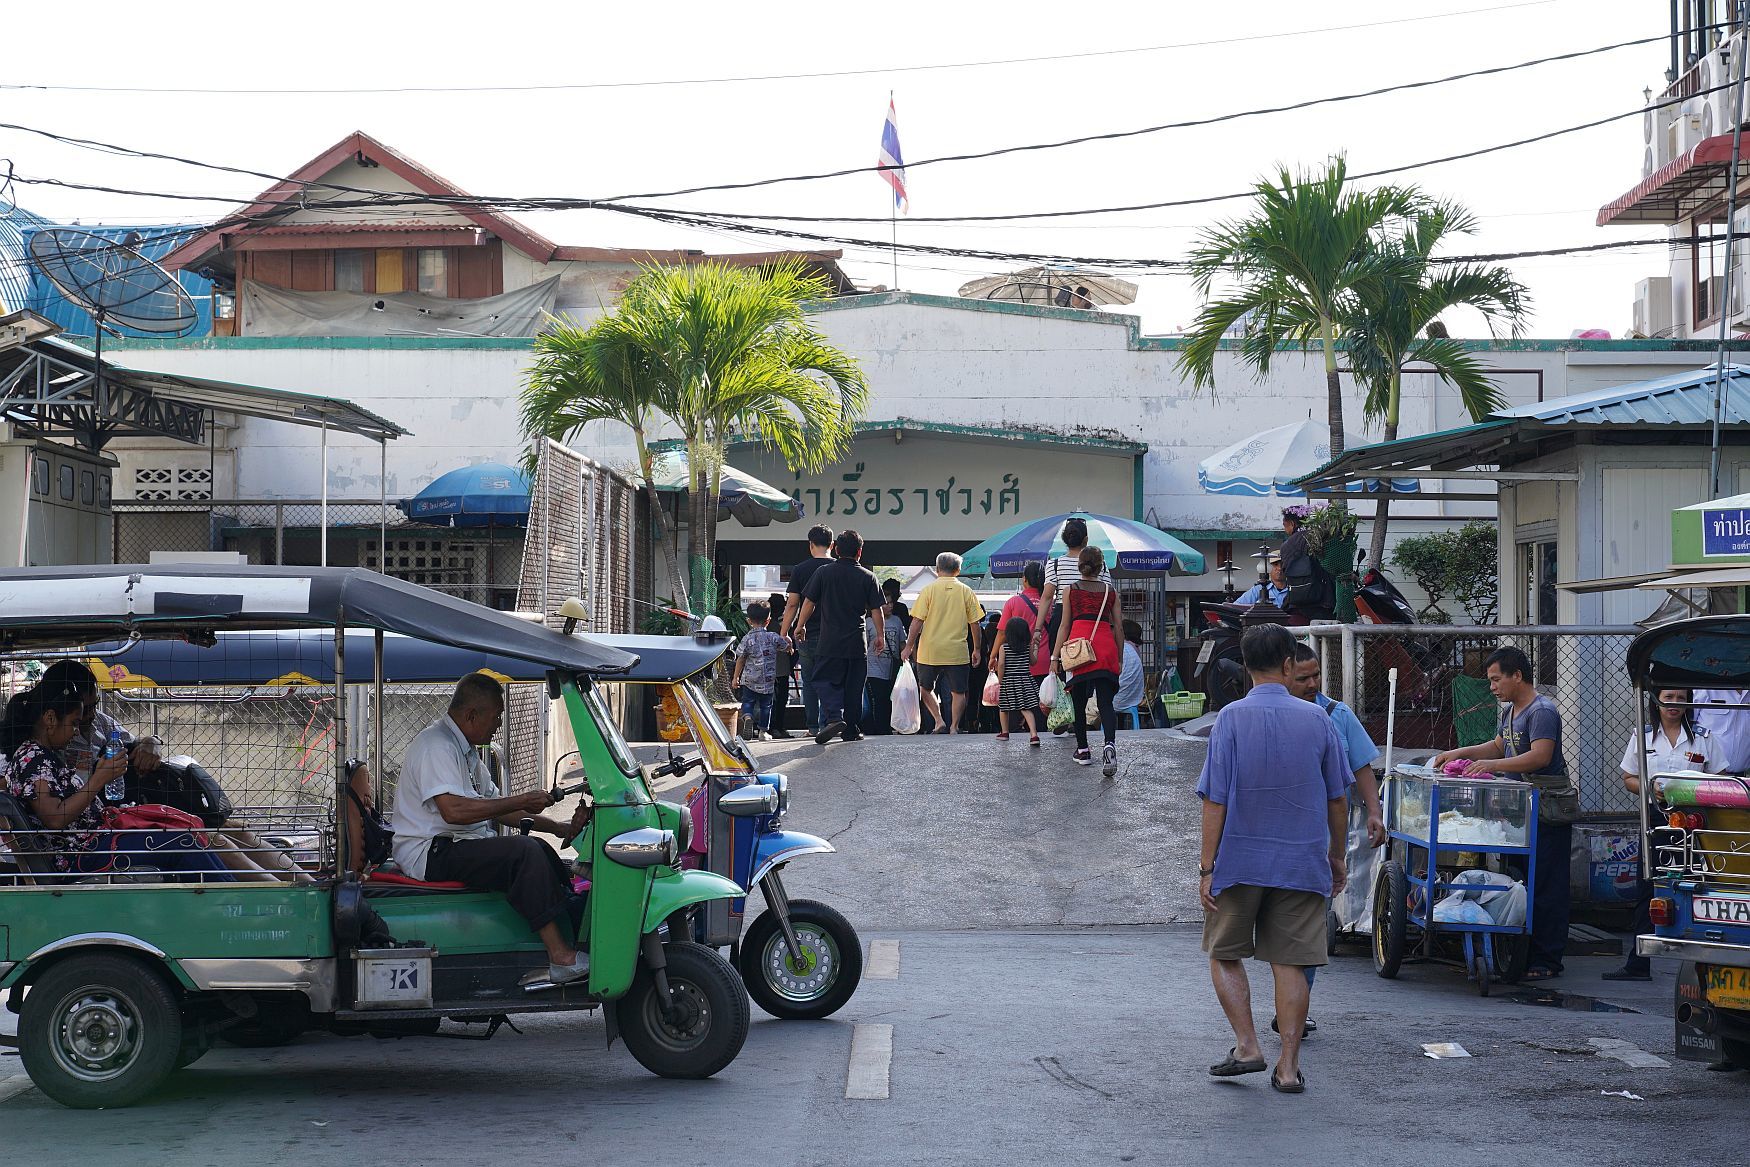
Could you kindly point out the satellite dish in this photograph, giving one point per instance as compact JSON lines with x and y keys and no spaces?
{"x":115,"y":283}
{"x":119,"y":287}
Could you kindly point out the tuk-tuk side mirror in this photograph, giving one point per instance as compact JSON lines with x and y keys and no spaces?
{"x":756,"y":798}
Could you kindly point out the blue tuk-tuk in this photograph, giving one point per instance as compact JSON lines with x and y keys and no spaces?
{"x":1696,"y":846}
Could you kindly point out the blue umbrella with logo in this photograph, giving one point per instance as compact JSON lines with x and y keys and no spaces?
{"x":488,"y":494}
{"x":1130,"y":546}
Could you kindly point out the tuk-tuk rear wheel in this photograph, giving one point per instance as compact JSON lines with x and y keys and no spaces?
{"x":100,"y":1031}
{"x":707,"y":1025}
{"x":832,"y":962}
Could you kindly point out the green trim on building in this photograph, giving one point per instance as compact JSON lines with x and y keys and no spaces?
{"x":247,"y":343}
{"x":1215,"y":535}
{"x":1044,"y":437}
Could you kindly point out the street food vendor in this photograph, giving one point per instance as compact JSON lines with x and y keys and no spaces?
{"x":1528,"y":746}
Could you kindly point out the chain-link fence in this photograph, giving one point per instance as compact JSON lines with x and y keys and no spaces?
{"x":480,"y":564}
{"x":274,"y":746}
{"x":1443,"y":697}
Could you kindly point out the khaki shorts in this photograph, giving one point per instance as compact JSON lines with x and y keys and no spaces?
{"x":1274,"y":924}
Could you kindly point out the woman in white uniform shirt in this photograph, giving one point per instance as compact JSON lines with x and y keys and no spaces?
{"x":1674,"y":742}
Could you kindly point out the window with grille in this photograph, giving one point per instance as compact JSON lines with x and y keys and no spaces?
{"x":171,"y":483}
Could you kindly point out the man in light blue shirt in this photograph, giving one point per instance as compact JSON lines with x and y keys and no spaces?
{"x":1357,"y":746}
{"x":1275,"y":817}
{"x":1276,"y":590}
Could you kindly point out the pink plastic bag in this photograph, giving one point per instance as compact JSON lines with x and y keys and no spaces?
{"x":993,"y":687}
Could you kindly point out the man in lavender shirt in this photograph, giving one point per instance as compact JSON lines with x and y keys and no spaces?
{"x":1275,"y":816}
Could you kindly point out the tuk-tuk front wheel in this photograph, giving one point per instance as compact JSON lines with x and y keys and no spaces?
{"x":700,"y":1029}
{"x":100,"y":1031}
{"x":817,"y":986}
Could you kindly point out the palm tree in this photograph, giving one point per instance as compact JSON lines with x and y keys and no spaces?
{"x":717,"y":352}
{"x":1392,"y":321}
{"x":601,"y":373}
{"x":1294,"y":262}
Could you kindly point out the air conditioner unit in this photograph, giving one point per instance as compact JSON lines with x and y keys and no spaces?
{"x":1653,"y":307}
{"x":1695,"y":124}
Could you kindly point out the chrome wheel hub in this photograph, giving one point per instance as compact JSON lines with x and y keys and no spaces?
{"x":809,"y":978}
{"x":96,"y":1036}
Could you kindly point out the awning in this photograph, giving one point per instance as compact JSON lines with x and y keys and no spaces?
{"x":1718,"y":577}
{"x":1613,"y":583}
{"x":50,"y":386}
{"x":1677,"y":190}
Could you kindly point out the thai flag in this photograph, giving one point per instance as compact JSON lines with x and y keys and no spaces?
{"x":892,"y":161}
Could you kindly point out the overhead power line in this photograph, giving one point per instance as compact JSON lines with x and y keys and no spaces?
{"x":1117,"y":135}
{"x":764,"y":77}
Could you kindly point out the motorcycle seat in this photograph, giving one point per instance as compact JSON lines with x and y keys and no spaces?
{"x":389,"y":883}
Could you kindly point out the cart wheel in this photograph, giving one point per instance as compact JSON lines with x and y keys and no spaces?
{"x":1512,"y":956}
{"x":1390,"y":918}
{"x":1333,"y":930}
{"x":1480,"y":969}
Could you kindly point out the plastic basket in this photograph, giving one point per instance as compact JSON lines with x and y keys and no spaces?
{"x":1182,"y":706}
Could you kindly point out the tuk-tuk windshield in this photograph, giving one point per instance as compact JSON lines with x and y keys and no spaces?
{"x":610,"y":730}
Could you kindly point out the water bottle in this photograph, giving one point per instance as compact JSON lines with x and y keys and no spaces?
{"x":116,"y":791}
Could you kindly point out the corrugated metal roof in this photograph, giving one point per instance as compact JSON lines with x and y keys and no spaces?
{"x":1679,"y":399}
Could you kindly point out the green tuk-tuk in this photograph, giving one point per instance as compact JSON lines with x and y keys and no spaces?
{"x":121,"y":977}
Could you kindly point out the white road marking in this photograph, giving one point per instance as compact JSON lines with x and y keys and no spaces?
{"x":1628,"y":1053}
{"x":871,"y":1061}
{"x":12,"y":1087}
{"x":883,"y":963}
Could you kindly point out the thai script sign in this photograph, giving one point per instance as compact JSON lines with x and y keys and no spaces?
{"x":1725,"y":531}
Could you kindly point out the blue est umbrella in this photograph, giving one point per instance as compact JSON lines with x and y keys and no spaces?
{"x":1129,"y":545}
{"x":484,"y":495}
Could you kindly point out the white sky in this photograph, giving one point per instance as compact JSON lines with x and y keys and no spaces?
{"x":614,"y":141}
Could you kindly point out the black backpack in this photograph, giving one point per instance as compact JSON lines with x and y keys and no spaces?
{"x":378,"y":837}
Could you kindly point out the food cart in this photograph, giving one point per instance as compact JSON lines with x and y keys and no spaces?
{"x":1435,"y":822}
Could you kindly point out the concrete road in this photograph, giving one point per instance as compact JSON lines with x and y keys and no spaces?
{"x":1020,"y":1018}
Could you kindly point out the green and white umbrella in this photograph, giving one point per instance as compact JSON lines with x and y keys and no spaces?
{"x":1131,"y":547}
{"x":741,"y":496}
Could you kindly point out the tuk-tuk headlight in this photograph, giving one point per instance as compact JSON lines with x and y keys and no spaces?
{"x":644,"y":847}
{"x":682,"y":818}
{"x":782,"y":784}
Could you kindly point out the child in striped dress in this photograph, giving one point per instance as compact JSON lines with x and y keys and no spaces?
{"x":1018,"y":690}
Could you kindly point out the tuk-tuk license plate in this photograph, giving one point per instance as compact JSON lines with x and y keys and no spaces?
{"x":1719,"y":910}
{"x":1729,"y":988}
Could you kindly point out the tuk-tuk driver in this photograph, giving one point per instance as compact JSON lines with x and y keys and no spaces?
{"x":444,"y":811}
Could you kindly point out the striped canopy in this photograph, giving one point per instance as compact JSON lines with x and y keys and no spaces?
{"x":1129,"y":545}
{"x":1268,"y":463}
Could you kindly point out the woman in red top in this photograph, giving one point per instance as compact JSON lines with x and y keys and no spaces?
{"x":1090,"y":609}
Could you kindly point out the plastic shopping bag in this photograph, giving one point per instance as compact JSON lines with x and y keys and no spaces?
{"x":908,"y":716}
{"x":993,"y":685}
{"x":1049,"y":688}
{"x":1063,"y":712}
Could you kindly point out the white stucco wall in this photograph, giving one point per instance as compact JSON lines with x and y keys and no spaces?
{"x":930,"y":359}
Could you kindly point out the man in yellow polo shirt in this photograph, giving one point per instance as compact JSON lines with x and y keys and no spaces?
{"x":945,"y":615}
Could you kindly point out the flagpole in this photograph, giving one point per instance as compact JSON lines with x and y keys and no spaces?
{"x":894,"y":214}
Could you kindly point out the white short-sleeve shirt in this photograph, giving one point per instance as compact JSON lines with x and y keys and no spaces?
{"x":1665,"y":756}
{"x":439,"y":761}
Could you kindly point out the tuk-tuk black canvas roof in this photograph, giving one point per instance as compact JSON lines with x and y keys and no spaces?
{"x":71,"y":605}
{"x":1709,"y":652}
{"x":306,"y":656}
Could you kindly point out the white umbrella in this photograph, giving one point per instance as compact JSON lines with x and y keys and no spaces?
{"x":1269,"y":462}
{"x":1054,"y":284}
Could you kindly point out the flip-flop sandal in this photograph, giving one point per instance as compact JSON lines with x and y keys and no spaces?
{"x":1298,"y":1086}
{"x":1539,"y":974}
{"x":1232,"y":1066}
